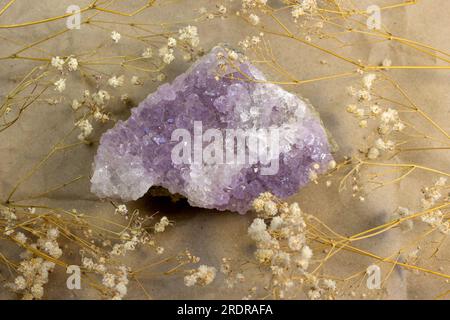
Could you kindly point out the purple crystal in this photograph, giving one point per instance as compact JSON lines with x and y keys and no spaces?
{"x":138,"y":153}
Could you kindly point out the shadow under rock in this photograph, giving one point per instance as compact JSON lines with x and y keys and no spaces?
{"x":174,"y":206}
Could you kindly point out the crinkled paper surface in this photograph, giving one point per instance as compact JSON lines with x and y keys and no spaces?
{"x":213,"y":236}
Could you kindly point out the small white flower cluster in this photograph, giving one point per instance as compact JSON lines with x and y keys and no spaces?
{"x":60,"y":85}
{"x":34,"y":274}
{"x":58,"y":63}
{"x":254,"y":19}
{"x":115,"y":36}
{"x":21,"y":238}
{"x":189,"y":35}
{"x":72,"y":64}
{"x":233,"y":55}
{"x":34,"y":271}
{"x":250,"y":4}
{"x":114,"y":278}
{"x":49,"y":243}
{"x":122,"y":210}
{"x":86,"y":129}
{"x":202,"y":276}
{"x":162,"y":224}
{"x":222,"y":9}
{"x":279,"y":234}
{"x":171,"y":42}
{"x":304,"y":7}
{"x":115,"y":81}
{"x":100,"y":97}
{"x":147,"y":53}
{"x":297,"y":11}
{"x":364,"y":93}
{"x":231,"y":278}
{"x":117,"y":282}
{"x":432,"y":196}
{"x":98,"y":252}
{"x":166,"y":54}
{"x":90,"y":265}
{"x":251,"y":42}
{"x":320,"y":287}
{"x":10,"y":217}
{"x":249,"y":13}
{"x":387,"y":119}
{"x":95,"y":103}
{"x":135,"y":236}
{"x":129,"y":244}
{"x":314,"y":170}
{"x":225,"y":61}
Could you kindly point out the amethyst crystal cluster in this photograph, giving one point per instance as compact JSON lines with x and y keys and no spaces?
{"x":226,"y":95}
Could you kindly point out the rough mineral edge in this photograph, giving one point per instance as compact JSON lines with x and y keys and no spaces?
{"x":136,"y":154}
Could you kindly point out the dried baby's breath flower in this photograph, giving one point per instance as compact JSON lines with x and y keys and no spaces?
{"x":373,"y":153}
{"x":247,"y":4}
{"x":270,"y":208}
{"x":76,"y":104}
{"x":121,"y":209}
{"x":258,"y":204}
{"x":171,"y":42}
{"x":222,"y":9}
{"x":364,"y":95}
{"x":162,"y":224}
{"x":57,"y":62}
{"x":99,"y":116}
{"x":72,"y":64}
{"x":368,"y":80}
{"x":115,"y":81}
{"x":375,"y":109}
{"x":148,"y":53}
{"x":254,"y":19}
{"x":202,"y":276}
{"x":332,"y":164}
{"x":136,"y":81}
{"x":190,"y":35}
{"x":297,"y":11}
{"x":281,"y":247}
{"x":313,"y":176}
{"x":233,"y":55}
{"x":389,"y":116}
{"x":101,"y":97}
{"x":115,"y":36}
{"x":257,"y":231}
{"x":351,"y":108}
{"x":20,"y":237}
{"x":329,"y":284}
{"x":124,"y":98}
{"x":159,"y":250}
{"x":161,"y":77}
{"x":167,"y":54}
{"x":60,"y":85}
{"x":86,"y":129}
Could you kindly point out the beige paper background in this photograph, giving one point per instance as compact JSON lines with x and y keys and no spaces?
{"x":213,"y":235}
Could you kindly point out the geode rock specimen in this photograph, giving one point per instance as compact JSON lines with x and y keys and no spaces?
{"x":219,"y":135}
